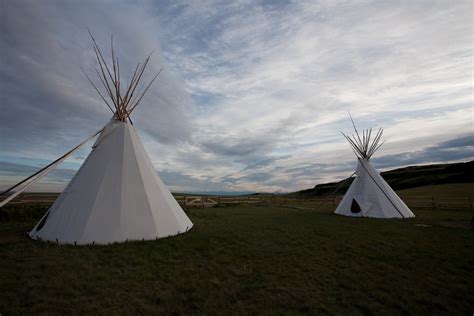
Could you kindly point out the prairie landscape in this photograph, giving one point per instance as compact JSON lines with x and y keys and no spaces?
{"x":236,"y":157}
{"x":252,"y":259}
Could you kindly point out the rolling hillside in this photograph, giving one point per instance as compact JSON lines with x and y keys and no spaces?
{"x":407,"y":178}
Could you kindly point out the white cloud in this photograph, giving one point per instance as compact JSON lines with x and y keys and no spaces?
{"x":270,"y":84}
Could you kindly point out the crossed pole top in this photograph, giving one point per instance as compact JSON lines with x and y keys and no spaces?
{"x":123,"y":102}
{"x":363,"y":145}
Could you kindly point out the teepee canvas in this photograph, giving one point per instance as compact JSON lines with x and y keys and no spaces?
{"x":116,"y":195}
{"x":369,"y":194}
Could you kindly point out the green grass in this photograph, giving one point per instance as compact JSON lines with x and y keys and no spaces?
{"x":248,"y":260}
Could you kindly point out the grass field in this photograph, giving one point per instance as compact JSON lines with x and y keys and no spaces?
{"x":248,"y":260}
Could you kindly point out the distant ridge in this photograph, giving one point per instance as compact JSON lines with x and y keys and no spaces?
{"x":406,"y":178}
{"x":215,"y":193}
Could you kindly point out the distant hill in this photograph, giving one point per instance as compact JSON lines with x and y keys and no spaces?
{"x":406,"y":178}
{"x":214,"y":193}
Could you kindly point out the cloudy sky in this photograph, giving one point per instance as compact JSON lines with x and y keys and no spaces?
{"x":254,"y":94}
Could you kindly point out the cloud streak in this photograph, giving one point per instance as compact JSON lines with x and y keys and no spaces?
{"x":254,"y":94}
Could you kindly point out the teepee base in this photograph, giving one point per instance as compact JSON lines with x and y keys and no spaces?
{"x":94,"y":243}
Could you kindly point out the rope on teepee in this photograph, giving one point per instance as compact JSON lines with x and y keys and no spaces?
{"x":41,"y":173}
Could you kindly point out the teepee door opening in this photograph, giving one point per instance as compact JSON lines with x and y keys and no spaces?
{"x":355,"y":208}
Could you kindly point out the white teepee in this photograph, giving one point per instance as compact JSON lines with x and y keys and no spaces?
{"x":369,"y":194}
{"x":116,"y":195}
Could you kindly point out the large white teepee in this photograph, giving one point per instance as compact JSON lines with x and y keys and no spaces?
{"x":116,"y":195}
{"x":369,"y":194}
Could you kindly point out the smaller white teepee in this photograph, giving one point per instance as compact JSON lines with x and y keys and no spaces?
{"x":369,"y":194}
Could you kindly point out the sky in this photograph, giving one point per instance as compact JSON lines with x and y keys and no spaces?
{"x":253,"y":96}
